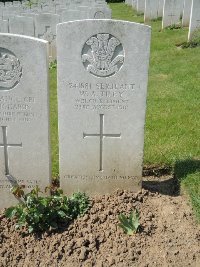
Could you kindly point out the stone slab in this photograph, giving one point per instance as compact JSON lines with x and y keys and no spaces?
{"x":194,"y":18}
{"x":186,"y":13}
{"x":24,"y":115}
{"x":172,"y":12}
{"x":22,"y":25}
{"x":102,"y":86}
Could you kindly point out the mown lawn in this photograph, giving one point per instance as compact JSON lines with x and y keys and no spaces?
{"x":173,"y":105}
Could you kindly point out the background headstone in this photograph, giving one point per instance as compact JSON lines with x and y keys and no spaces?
{"x":194,"y":18}
{"x":172,"y":12}
{"x":102,"y":84}
{"x":24,"y":115}
{"x":22,"y":25}
{"x":186,"y":13}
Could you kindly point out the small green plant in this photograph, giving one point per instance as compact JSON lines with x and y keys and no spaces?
{"x":131,"y":224}
{"x":53,"y":65}
{"x":174,"y":27}
{"x":157,"y":19}
{"x":38,"y":213}
{"x":194,"y":42}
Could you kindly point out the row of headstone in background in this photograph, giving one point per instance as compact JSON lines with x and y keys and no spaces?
{"x":173,"y":12}
{"x":33,"y":22}
{"x":102,"y":86}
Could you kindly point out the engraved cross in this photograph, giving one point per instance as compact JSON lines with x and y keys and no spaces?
{"x":5,"y":145}
{"x":101,"y":136}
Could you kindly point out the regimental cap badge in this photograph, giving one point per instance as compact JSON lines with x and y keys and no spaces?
{"x":103,"y":55}
{"x":10,"y":69}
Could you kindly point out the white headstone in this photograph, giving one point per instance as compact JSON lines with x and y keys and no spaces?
{"x":45,"y":28}
{"x":160,"y":8}
{"x":151,"y":9}
{"x":140,"y":6}
{"x":3,"y":26}
{"x":100,"y":13}
{"x":134,"y":4}
{"x":171,"y":12}
{"x":70,"y":15}
{"x":194,"y":18}
{"x":186,"y":13}
{"x":22,"y":25}
{"x":24,"y":115}
{"x":102,"y":86}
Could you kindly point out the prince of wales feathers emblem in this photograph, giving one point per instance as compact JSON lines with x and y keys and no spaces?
{"x":105,"y":57}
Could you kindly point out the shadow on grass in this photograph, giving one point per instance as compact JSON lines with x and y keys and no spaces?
{"x":185,"y":167}
{"x":166,"y":180}
{"x":160,"y":180}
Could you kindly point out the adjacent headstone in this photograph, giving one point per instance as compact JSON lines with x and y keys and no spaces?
{"x":70,"y":15}
{"x":151,"y":10}
{"x":194,"y":18}
{"x":160,"y":8}
{"x":102,"y":86}
{"x":99,"y":13}
{"x":3,"y":26}
{"x":22,"y":25}
{"x":24,"y":115}
{"x":45,"y":28}
{"x":186,"y":13}
{"x":134,"y":4}
{"x":140,"y":6}
{"x":171,"y":12}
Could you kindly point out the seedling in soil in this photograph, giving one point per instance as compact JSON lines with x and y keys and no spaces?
{"x":129,"y":224}
{"x":39,"y":213}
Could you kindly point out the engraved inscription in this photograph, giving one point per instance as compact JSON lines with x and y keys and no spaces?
{"x":99,"y":15}
{"x":101,"y":136}
{"x":17,"y":109}
{"x":5,"y":145}
{"x":102,"y":96}
{"x":103,"y":55}
{"x":10,"y":69}
{"x":10,"y":182}
{"x":99,"y":178}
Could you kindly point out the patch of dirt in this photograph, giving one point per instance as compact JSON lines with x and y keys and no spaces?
{"x":169,"y":235}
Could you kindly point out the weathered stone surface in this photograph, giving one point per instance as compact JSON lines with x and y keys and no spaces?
{"x":194,"y":18}
{"x":102,"y":84}
{"x":186,"y":13}
{"x":22,"y":25}
{"x":24,"y":115}
{"x":172,"y":12}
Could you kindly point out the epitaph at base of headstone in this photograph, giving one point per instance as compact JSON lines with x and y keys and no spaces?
{"x":24,"y":116}
{"x":102,"y":85}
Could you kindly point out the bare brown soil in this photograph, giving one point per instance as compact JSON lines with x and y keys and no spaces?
{"x":169,"y":235}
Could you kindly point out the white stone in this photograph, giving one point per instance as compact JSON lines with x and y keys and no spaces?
{"x":151,"y":9}
{"x":100,"y":13}
{"x":171,"y":12}
{"x":186,"y":13}
{"x":160,"y":8}
{"x":4,"y":26}
{"x":102,"y":86}
{"x":45,"y":28}
{"x":134,"y":4}
{"x":22,"y":25}
{"x":24,"y":115}
{"x":140,"y":5}
{"x":70,"y":15}
{"x":194,"y":18}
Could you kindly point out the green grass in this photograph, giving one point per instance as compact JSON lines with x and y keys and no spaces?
{"x":173,"y":106}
